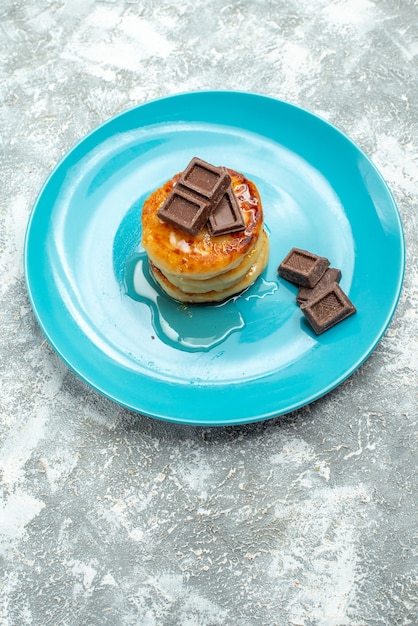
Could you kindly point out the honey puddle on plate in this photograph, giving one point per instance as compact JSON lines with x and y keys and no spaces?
{"x":192,"y":327}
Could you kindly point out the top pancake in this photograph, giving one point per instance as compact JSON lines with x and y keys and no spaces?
{"x":177,"y":253}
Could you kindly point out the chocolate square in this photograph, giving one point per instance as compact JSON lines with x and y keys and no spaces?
{"x":207,"y":180}
{"x":331,"y":275}
{"x":196,"y":193}
{"x":227,"y":216}
{"x":185,"y":210}
{"x":302,"y":267}
{"x":329,"y":308}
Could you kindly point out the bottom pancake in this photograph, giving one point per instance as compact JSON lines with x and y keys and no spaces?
{"x":257,"y":267}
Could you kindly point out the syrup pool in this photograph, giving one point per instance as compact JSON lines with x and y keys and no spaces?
{"x":189,"y":327}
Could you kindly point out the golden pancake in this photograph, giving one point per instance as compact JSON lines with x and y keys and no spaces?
{"x":246,"y":281}
{"x":221,"y":281}
{"x":177,"y":254}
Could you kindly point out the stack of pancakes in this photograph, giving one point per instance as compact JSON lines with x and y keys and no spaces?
{"x":206,"y":268}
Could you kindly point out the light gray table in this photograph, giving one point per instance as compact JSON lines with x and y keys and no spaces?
{"x":108,"y":517}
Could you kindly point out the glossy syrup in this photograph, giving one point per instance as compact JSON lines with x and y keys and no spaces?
{"x":196,"y":327}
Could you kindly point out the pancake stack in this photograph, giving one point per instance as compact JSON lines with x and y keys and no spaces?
{"x":203,"y":231}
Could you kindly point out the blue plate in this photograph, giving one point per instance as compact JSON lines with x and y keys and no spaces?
{"x":253,"y":357}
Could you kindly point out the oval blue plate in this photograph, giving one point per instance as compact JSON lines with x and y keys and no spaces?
{"x":253,"y":357}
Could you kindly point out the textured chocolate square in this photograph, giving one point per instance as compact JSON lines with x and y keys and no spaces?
{"x":197,"y":192}
{"x":329,"y":308}
{"x":302,"y":267}
{"x":185,"y":210}
{"x":331,"y":275}
{"x":205,"y":179}
{"x":227,"y":216}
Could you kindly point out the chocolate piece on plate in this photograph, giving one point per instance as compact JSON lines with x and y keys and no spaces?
{"x":227,"y":216}
{"x":331,"y":275}
{"x":329,"y":308}
{"x":207,"y":180}
{"x":185,"y":210}
{"x":302,"y":267}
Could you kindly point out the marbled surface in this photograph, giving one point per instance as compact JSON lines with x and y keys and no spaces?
{"x":108,"y":517}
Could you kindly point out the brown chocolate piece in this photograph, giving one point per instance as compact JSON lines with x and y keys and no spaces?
{"x":329,"y":308}
{"x":303,"y":268}
{"x":331,"y":275}
{"x":197,"y":192}
{"x":227,"y":216}
{"x":205,"y":179}
{"x":185,"y":210}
